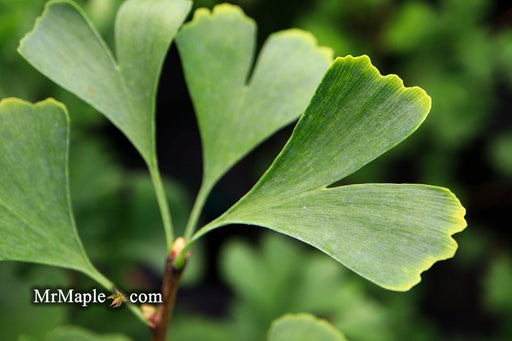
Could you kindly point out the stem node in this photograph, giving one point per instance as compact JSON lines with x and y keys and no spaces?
{"x":159,"y":320}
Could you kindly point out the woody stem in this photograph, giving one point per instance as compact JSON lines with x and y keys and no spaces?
{"x":160,"y":320}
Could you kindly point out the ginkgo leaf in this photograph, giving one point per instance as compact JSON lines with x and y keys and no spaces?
{"x":66,"y":47}
{"x":237,"y":110}
{"x":303,"y":327}
{"x":36,"y":222}
{"x":388,"y":233}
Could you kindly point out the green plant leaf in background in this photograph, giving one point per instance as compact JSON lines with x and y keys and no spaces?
{"x":260,"y":280}
{"x":36,"y":222}
{"x":303,"y":327}
{"x":497,"y":296}
{"x":497,"y":283}
{"x":237,"y":110}
{"x":66,"y":47}
{"x":200,"y":329}
{"x":499,"y":153}
{"x":388,"y":233}
{"x":77,"y":334}
{"x":18,"y":281}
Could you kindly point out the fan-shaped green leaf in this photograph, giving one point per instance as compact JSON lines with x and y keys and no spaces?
{"x":387,"y":233}
{"x":303,"y":327}
{"x":36,"y":222}
{"x":236,"y":110}
{"x":67,"y":49}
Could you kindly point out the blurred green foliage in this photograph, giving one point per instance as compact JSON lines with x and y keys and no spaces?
{"x":448,"y":49}
{"x":298,"y":327}
{"x":282,"y":276}
{"x":75,"y":334}
{"x":459,"y":51}
{"x":498,"y":296}
{"x":18,"y":315}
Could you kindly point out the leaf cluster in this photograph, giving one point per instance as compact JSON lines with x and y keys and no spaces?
{"x":349,"y":115}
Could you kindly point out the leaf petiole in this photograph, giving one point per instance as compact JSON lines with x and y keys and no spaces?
{"x":107,"y":284}
{"x":197,"y":209}
{"x":162,"y":203}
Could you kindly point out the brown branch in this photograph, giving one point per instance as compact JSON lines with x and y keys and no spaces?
{"x":160,"y":320}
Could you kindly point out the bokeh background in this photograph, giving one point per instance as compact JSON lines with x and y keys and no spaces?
{"x":240,"y":279}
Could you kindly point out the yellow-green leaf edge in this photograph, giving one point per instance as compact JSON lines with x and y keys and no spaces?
{"x":458,"y":223}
